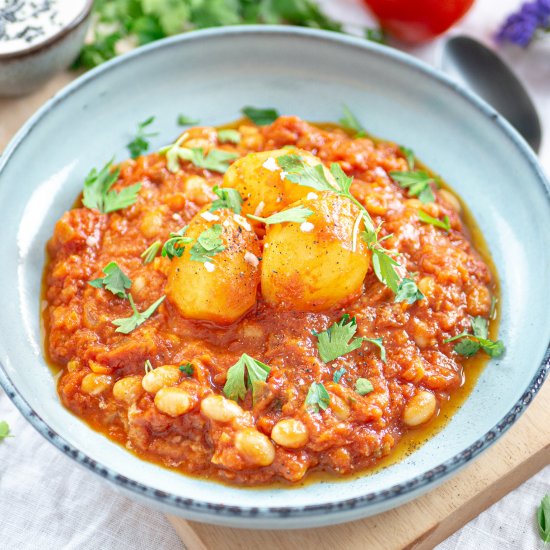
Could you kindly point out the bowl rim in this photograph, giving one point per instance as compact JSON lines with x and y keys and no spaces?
{"x":206,"y":510}
{"x":70,"y":26}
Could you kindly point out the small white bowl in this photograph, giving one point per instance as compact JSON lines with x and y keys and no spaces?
{"x":24,"y":70}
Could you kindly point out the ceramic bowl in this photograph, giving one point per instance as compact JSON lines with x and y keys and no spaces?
{"x":210,"y":75}
{"x":25,"y":70}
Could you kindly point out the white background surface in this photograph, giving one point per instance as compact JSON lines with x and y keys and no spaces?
{"x":47,"y":502}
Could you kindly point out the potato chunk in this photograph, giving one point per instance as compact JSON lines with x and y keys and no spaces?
{"x":312,"y":266}
{"x":223,"y":288}
{"x":257,"y":177}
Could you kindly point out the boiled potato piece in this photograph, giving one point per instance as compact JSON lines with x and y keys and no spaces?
{"x":312,"y":266}
{"x":223,"y":288}
{"x":257,"y":177}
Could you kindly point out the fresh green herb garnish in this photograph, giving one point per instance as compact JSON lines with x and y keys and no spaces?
{"x":317,"y":397}
{"x":140,"y":144}
{"x":337,"y":339}
{"x":417,"y":182}
{"x":228,"y":198}
{"x":115,"y":280}
{"x":350,"y":122}
{"x":426,"y":218}
{"x":261,"y":117}
{"x":188,"y":369}
{"x":228,"y":135}
{"x":297,"y":214}
{"x":148,"y":366}
{"x":409,"y":156}
{"x":150,"y":252}
{"x":184,"y":120}
{"x":384,"y":268}
{"x":209,"y":243}
{"x":379,"y":343}
{"x":337,"y":376}
{"x":407,"y":291}
{"x":471,"y":343}
{"x":235,"y":386}
{"x":543,"y":518}
{"x":363,"y":386}
{"x":97,"y":191}
{"x":4,"y":430}
{"x":175,"y":245}
{"x":128,"y":324}
{"x":376,"y":35}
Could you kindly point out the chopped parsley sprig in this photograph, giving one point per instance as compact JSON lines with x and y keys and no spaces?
{"x":184,"y":120}
{"x":247,"y":372}
{"x":444,"y":224}
{"x":350,"y":122}
{"x":115,"y":280}
{"x":363,"y":386}
{"x":209,"y":243}
{"x":150,"y":253}
{"x":417,"y":182}
{"x":4,"y":430}
{"x":229,"y":135}
{"x":260,"y":117}
{"x":98,"y":194}
{"x":296,"y":214}
{"x":543,"y":519}
{"x":471,"y":343}
{"x":140,"y":144}
{"x":408,"y":291}
{"x":175,"y":245}
{"x":317,"y":397}
{"x":128,"y":324}
{"x":228,"y":198}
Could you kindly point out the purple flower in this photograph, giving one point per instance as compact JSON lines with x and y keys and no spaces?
{"x":520,"y":27}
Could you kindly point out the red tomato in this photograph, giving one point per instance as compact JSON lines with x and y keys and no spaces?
{"x":417,"y":20}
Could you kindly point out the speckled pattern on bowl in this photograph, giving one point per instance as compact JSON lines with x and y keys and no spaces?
{"x":211,"y":75}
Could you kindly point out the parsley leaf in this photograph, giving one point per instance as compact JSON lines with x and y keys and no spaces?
{"x":188,"y":369}
{"x":379,"y":342}
{"x":426,"y":218}
{"x":128,"y":324}
{"x":407,"y":291}
{"x":472,"y":343}
{"x":148,"y":366}
{"x":175,"y":245}
{"x":543,"y":518}
{"x":216,"y":160}
{"x":376,"y":35}
{"x":409,"y":156}
{"x":297,"y":214}
{"x":480,"y":327}
{"x":350,"y":122}
{"x":97,"y":194}
{"x":383,"y":265}
{"x":235,"y":386}
{"x":4,"y":430}
{"x":149,"y":254}
{"x":467,"y":347}
{"x":418,"y":184}
{"x":209,"y":243}
{"x":300,"y":172}
{"x":317,"y":397}
{"x":337,"y":376}
{"x":228,"y":135}
{"x":115,"y":280}
{"x":363,"y":386}
{"x":140,"y":144}
{"x":337,"y":339}
{"x":228,"y":198}
{"x":184,"y":120}
{"x":261,"y":117}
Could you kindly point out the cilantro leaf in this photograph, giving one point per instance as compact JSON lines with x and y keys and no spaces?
{"x":140,"y":144}
{"x":317,"y":397}
{"x":383,"y":265}
{"x":492,"y":348}
{"x":184,"y":120}
{"x":4,"y":430}
{"x":300,"y":172}
{"x":342,"y":179}
{"x":235,"y":386}
{"x":209,"y":243}
{"x":363,"y":386}
{"x":228,"y":135}
{"x":417,"y":182}
{"x":337,"y":376}
{"x":128,"y":324}
{"x":426,"y":218}
{"x":228,"y":198}
{"x":480,"y":327}
{"x":543,"y":518}
{"x":407,"y":291}
{"x":467,"y":347}
{"x":97,"y":194}
{"x":472,"y":343}
{"x":297,"y":214}
{"x":115,"y":280}
{"x":188,"y":369}
{"x":349,"y":122}
{"x":379,"y":342}
{"x":175,"y":245}
{"x":337,"y":339}
{"x":409,"y":156}
{"x":216,"y":160}
{"x":261,"y":117}
{"x":149,"y":254}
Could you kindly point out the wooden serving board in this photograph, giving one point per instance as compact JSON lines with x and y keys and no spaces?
{"x":420,"y":524}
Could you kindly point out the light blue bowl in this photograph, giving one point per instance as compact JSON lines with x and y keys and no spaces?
{"x":211,"y":75}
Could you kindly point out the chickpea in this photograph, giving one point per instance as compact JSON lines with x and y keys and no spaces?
{"x":451,"y":200}
{"x":160,"y":377}
{"x":420,"y":408}
{"x":128,"y":389}
{"x":426,"y":285}
{"x":217,"y":407}
{"x":152,"y":223}
{"x":290,"y":433}
{"x":99,"y":369}
{"x":339,"y":407}
{"x":255,"y":447}
{"x":198,"y":190}
{"x":94,"y":384}
{"x":173,"y":401}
